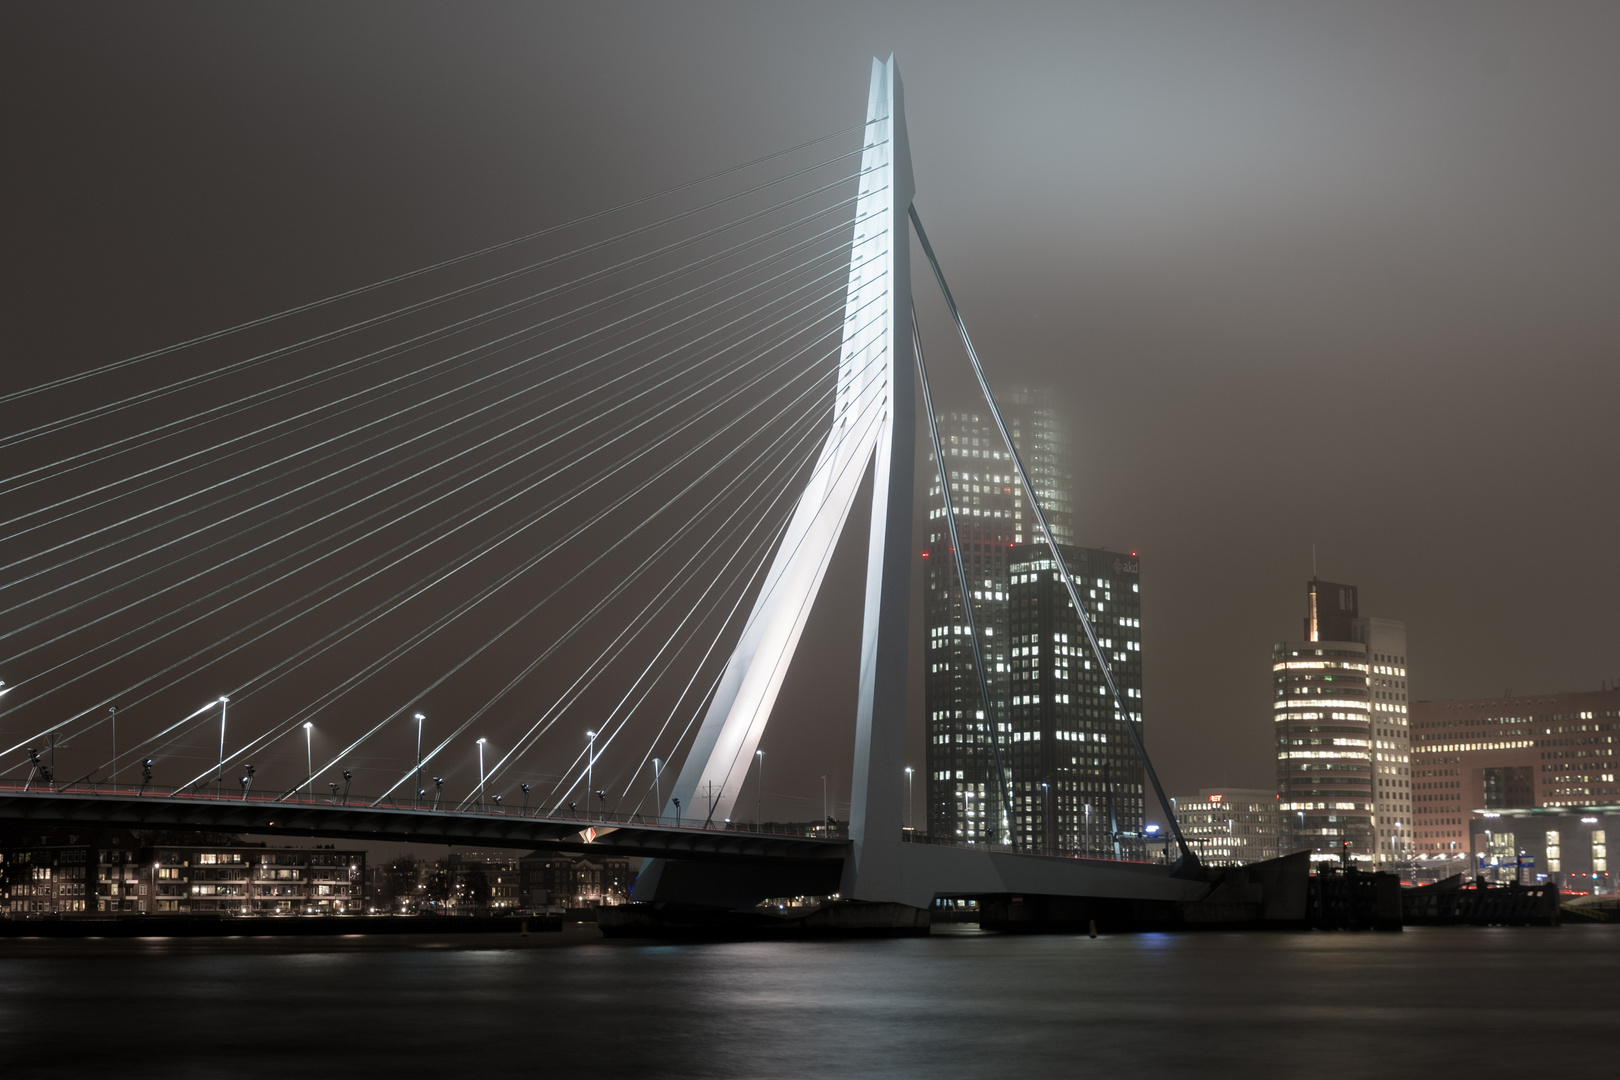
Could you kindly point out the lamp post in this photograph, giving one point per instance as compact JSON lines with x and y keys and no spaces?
{"x":824,"y":816}
{"x":309,"y":759}
{"x":911,"y":803}
{"x":481,"y":773}
{"x":590,"y":771}
{"x":418,"y":800}
{"x":759,"y":791}
{"x":1046,"y":817}
{"x":223,"y":702}
{"x":112,"y":710}
{"x":658,"y":788}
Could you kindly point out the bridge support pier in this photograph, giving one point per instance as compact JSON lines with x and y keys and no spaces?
{"x":839,"y":918}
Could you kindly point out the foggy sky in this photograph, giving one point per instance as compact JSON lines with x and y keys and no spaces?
{"x":1333,"y":274}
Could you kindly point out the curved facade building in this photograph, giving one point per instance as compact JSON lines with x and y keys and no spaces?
{"x":1322,"y":716}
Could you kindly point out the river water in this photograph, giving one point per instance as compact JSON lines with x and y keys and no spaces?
{"x":1486,"y":1002}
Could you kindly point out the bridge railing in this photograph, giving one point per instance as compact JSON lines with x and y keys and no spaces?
{"x":911,"y":837}
{"x":351,"y":801}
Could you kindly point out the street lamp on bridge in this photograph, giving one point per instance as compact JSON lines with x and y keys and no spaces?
{"x":417,"y":802}
{"x":481,"y":743}
{"x":223,"y":702}
{"x":911,"y":803}
{"x":590,"y":771}
{"x":309,"y":758}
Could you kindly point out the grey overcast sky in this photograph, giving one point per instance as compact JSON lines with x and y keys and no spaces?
{"x":1341,"y":274}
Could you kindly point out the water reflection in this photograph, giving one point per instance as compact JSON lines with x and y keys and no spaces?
{"x":958,"y":1004}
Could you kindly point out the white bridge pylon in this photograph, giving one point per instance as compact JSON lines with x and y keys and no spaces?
{"x":873,"y":425}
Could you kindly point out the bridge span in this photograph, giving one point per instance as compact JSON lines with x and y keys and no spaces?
{"x":728,"y":865}
{"x":856,"y":434}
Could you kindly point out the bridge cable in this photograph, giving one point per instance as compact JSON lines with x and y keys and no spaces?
{"x":535,"y":560}
{"x":309,"y":305}
{"x":991,"y":715}
{"x":638,"y":527}
{"x":1188,"y":859}
{"x":218,"y":522}
{"x":118,"y":406}
{"x":527,"y":737}
{"x":369,"y":395}
{"x":740,"y":515}
{"x":689,"y":395}
{"x":376,"y":356}
{"x":555,"y":506}
{"x":851,"y":462}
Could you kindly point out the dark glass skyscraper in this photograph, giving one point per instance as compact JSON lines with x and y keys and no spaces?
{"x":1038,"y":665}
{"x":1077,"y":778}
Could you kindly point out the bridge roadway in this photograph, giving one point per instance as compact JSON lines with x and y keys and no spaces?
{"x":743,"y":864}
{"x":102,"y":806}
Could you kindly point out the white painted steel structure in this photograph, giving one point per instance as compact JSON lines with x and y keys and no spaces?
{"x":873,"y":430}
{"x":874,"y":427}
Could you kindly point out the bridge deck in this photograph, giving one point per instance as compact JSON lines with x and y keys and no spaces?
{"x":927,"y":871}
{"x":101,"y":807}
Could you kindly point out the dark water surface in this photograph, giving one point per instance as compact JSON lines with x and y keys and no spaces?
{"x":1483,"y":1002}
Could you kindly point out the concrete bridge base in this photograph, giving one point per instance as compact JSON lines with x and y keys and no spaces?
{"x":839,"y":918}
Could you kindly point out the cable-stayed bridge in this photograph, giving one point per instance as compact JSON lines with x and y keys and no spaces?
{"x":579,"y":490}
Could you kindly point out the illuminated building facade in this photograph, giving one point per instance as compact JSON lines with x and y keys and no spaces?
{"x":1339,"y":713}
{"x":1076,"y":776}
{"x":992,"y":519}
{"x":573,"y":881}
{"x":1387,"y":710}
{"x":1507,"y":752}
{"x":1323,"y":728}
{"x":1532,"y":845}
{"x":114,"y":873}
{"x":1231,"y":826}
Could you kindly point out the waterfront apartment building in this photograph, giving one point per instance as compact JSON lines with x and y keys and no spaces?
{"x":54,"y":873}
{"x":483,"y":882}
{"x":992,"y":518}
{"x":1339,"y":713}
{"x":573,"y":881}
{"x":1492,"y":754}
{"x":1231,"y":826}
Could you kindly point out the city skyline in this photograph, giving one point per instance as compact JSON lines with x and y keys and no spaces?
{"x":1184,"y":311}
{"x":503,"y":505}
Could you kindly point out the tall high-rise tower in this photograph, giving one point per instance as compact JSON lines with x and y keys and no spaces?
{"x":1043,"y":442}
{"x":1341,"y":729}
{"x":992,"y":519}
{"x":1076,"y":775}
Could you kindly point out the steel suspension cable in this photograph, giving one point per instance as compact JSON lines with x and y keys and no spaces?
{"x":346,"y":294}
{"x":101,"y":411}
{"x":1124,"y":711}
{"x":357,"y":624}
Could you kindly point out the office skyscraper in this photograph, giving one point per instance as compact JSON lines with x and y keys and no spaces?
{"x":1342,"y":735}
{"x":1012,"y":598}
{"x":1076,"y":775}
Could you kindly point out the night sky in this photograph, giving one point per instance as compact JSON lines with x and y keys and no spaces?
{"x":1298,"y":274}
